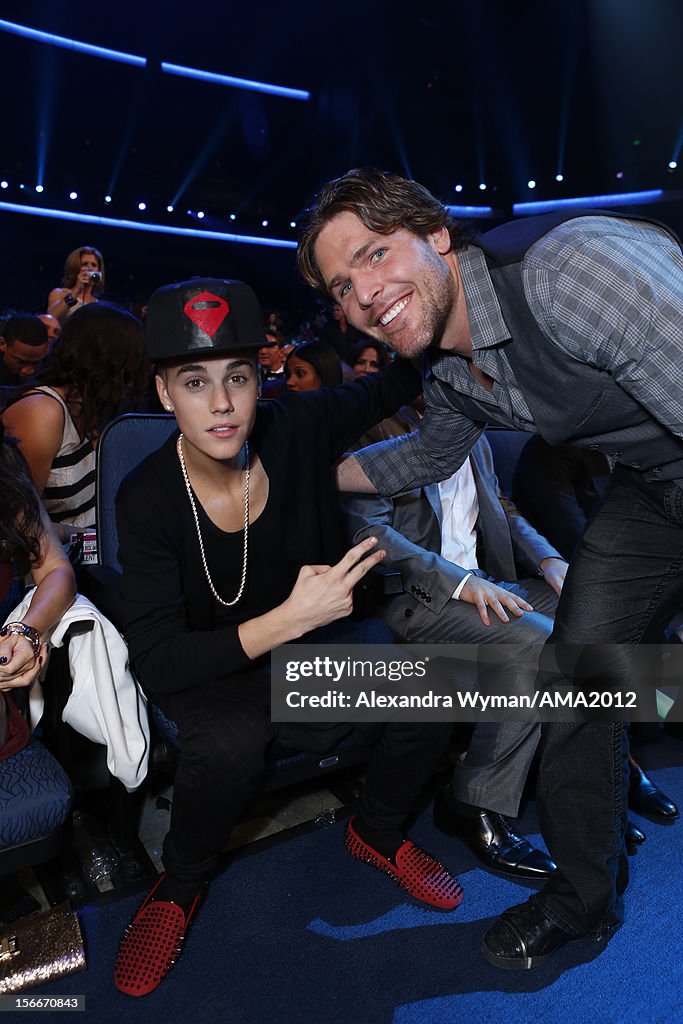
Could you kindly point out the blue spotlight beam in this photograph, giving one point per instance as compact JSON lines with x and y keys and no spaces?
{"x":238,"y":83}
{"x":130,"y":58}
{"x":134,"y":225}
{"x":679,"y":144}
{"x":654,"y":195}
{"x":71,"y":44}
{"x":202,"y":156}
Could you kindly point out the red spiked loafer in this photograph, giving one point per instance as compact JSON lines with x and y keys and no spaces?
{"x":151,"y":944}
{"x":425,"y":878}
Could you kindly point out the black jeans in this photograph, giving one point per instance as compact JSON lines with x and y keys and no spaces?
{"x":224,"y":735}
{"x":626,"y":574}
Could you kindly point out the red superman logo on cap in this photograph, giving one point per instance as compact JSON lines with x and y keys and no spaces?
{"x":207,"y":311}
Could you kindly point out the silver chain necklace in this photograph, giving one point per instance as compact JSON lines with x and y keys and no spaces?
{"x":181,"y":458}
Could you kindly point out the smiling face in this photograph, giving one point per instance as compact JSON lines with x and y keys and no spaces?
{"x":214,"y":401}
{"x":399,"y":288}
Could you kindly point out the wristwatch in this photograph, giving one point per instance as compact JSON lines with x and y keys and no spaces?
{"x":69,"y":300}
{"x":21,"y":629}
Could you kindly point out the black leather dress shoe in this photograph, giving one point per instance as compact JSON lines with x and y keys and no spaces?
{"x":633,"y":837}
{"x":522,"y":938}
{"x":491,"y":839}
{"x":647,"y":799}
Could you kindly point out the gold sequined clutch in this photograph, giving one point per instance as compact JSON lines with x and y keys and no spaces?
{"x":40,"y":948}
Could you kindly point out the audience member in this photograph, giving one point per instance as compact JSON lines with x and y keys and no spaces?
{"x":54,"y":328}
{"x":271,"y":358}
{"x":83,"y":283}
{"x":97,"y":369}
{"x":339,"y":333}
{"x":272,"y":363}
{"x":312,"y":365}
{"x":23,"y":346}
{"x":459,"y":545}
{"x":27,"y":545}
{"x":402,"y":422}
{"x":275,"y":323}
{"x":496,"y":765}
{"x":367,"y":356}
{"x":239,"y":470}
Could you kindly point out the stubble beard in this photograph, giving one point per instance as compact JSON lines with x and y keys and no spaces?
{"x":439,"y":293}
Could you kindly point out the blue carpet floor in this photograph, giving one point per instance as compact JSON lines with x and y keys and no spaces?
{"x":300,"y":933}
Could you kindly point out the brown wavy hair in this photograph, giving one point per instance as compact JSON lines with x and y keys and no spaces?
{"x":21,"y":527}
{"x":354,"y":352}
{"x":322,"y":357}
{"x":384,"y":202}
{"x":72,"y":267}
{"x":100,"y":359}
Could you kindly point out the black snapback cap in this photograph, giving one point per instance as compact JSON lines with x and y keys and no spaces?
{"x":206,"y":316}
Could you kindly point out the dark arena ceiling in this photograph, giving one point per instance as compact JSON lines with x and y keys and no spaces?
{"x":453,"y":94}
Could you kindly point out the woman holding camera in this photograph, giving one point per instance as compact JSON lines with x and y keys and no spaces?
{"x":83,"y":282}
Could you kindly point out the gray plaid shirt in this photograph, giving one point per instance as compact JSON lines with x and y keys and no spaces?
{"x":606,"y":291}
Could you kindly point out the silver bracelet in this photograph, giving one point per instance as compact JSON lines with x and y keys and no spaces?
{"x":21,"y":629}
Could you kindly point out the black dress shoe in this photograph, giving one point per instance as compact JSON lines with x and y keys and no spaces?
{"x":647,"y":799}
{"x":633,"y":837}
{"x":522,"y":938}
{"x":491,"y":839}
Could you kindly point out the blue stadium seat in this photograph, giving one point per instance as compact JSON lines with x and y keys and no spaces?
{"x":507,"y":446}
{"x":35,"y":800}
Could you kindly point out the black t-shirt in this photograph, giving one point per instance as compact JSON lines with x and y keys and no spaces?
{"x":265,"y":561}
{"x":177,"y":634}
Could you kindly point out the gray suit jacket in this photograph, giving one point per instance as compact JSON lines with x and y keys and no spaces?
{"x":408,"y":527}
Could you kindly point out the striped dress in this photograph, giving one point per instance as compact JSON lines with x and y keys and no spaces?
{"x":69,"y":494}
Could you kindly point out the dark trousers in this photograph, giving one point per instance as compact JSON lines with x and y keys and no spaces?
{"x":626,"y":574}
{"x":225,"y":734}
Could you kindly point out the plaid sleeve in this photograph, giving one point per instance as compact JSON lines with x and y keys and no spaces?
{"x":610,"y":293}
{"x":431,"y":453}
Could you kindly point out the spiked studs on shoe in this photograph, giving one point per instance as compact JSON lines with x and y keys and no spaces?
{"x":151,"y":944}
{"x":415,"y":870}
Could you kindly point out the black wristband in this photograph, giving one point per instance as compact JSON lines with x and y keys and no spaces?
{"x":69,"y":300}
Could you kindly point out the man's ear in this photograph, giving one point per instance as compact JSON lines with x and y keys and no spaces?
{"x":3,"y":344}
{"x":163,"y":393}
{"x":441,"y":240}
